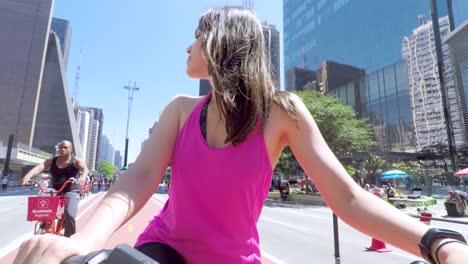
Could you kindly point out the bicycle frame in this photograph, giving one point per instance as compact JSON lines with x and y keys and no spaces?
{"x":48,"y":210}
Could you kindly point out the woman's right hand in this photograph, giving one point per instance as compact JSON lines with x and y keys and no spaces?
{"x":50,"y":249}
{"x":24,"y":182}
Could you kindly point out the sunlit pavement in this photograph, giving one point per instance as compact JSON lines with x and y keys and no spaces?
{"x":128,"y":233}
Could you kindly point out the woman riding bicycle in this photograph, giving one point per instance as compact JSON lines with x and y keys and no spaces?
{"x":232,"y":138}
{"x":63,"y":167}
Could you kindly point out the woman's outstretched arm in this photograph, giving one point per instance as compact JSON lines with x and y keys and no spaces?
{"x":357,"y":207}
{"x":123,"y":200}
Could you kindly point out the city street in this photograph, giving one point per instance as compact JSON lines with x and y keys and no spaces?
{"x":289,"y":233}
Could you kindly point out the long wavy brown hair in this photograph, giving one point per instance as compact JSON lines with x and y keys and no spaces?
{"x":239,"y":70}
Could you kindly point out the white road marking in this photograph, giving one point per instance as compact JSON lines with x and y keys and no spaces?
{"x":5,"y":250}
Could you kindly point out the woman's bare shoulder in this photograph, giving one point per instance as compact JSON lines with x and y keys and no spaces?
{"x":279,"y":111}
{"x":183,"y":105}
{"x":186,"y":103}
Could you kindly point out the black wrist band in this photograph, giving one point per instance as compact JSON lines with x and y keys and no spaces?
{"x":445,"y":243}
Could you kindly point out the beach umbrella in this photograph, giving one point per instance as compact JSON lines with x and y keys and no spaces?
{"x":462,"y":173}
{"x":393,"y":174}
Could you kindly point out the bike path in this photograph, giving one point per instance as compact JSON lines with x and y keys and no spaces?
{"x":83,"y":209}
{"x":128,"y":233}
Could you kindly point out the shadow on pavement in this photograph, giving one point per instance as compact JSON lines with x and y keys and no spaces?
{"x":288,"y":204}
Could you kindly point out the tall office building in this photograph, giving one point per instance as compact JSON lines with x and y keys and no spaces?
{"x":204,"y":87}
{"x":272,"y":50}
{"x":34,"y":102}
{"x":457,"y":42}
{"x":84,"y":122}
{"x":93,"y":145}
{"x":97,"y":128}
{"x":55,"y":116}
{"x":418,"y":52}
{"x":118,"y":159}
{"x":460,"y":11}
{"x":62,"y":29}
{"x":366,"y":33}
{"x":107,"y":150}
{"x":382,"y":97}
{"x":88,"y":129}
{"x":150,"y":131}
{"x":297,"y":78}
{"x":24,"y":30}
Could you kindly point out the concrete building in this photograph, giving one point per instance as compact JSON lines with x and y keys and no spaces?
{"x":93,"y":145}
{"x":22,"y":53}
{"x":457,"y":42}
{"x":107,"y":150}
{"x":62,"y":29}
{"x":149,"y":134}
{"x":118,"y":159}
{"x":296,"y":78}
{"x":418,"y":51}
{"x":97,"y":129}
{"x":272,"y":50}
{"x":88,"y":128}
{"x":34,"y":106}
{"x":204,"y":88}
{"x":55,"y":116}
{"x":332,"y":75}
{"x":83,"y":124}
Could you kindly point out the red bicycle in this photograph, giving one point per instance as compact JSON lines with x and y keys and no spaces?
{"x":48,"y":209}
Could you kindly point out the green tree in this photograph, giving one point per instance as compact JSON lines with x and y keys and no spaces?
{"x":107,"y":168}
{"x":342,"y":130}
{"x":283,"y":162}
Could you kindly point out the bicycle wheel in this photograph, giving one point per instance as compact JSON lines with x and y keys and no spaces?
{"x":40,"y":228}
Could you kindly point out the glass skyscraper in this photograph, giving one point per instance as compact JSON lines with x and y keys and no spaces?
{"x":368,"y":35}
{"x":460,"y":11}
{"x":62,"y":29}
{"x":363,"y":33}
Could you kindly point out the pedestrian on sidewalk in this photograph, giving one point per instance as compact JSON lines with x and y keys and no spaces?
{"x":4,"y":184}
{"x":233,"y":137}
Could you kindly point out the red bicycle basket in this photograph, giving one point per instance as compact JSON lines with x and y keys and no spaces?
{"x":46,"y":207}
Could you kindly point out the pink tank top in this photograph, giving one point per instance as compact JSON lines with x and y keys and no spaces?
{"x":216,"y":198}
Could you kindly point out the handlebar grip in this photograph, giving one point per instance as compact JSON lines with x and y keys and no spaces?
{"x":122,"y":254}
{"x":125,"y":254}
{"x":94,"y":257}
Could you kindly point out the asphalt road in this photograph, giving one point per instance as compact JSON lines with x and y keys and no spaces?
{"x":289,"y":233}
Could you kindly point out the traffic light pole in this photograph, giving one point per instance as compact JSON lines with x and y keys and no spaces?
{"x":131,"y":91}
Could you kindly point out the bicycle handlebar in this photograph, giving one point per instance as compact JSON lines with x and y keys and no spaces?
{"x":122,"y":254}
{"x":125,"y":254}
{"x":41,"y":188}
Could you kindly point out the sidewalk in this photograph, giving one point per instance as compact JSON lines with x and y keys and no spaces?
{"x":438,"y":210}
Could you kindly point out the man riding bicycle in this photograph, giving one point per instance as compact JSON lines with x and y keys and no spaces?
{"x":63,"y":167}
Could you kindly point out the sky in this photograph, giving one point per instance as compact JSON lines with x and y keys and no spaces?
{"x":142,"y":42}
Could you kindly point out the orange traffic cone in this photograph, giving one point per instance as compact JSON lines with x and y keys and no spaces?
{"x":378,"y":246}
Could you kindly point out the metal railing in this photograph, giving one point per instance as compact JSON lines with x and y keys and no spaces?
{"x":26,"y":149}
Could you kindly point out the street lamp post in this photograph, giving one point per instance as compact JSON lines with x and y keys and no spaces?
{"x":131,"y":91}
